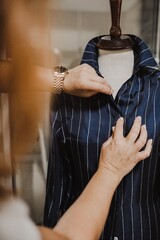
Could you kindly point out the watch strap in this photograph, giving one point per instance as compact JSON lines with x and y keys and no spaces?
{"x":58,"y":84}
{"x":60,"y":73}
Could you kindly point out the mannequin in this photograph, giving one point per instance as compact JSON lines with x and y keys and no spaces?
{"x":116,"y":66}
{"x":116,"y":58}
{"x":81,"y":125}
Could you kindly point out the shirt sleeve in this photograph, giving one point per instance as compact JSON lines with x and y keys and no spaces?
{"x":15,"y":222}
{"x":55,"y":177}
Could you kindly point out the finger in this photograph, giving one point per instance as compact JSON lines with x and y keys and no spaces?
{"x":135,"y":130}
{"x":141,"y":141}
{"x":98,"y":87}
{"x":90,"y":81}
{"x":118,"y":131}
{"x":98,"y":79}
{"x":105,"y":144}
{"x":146,"y":152}
{"x":113,"y":128}
{"x":86,"y":93}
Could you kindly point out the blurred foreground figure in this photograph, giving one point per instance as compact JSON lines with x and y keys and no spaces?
{"x":22,"y":24}
{"x":21,"y":28}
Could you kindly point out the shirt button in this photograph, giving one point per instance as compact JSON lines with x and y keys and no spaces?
{"x":115,"y":238}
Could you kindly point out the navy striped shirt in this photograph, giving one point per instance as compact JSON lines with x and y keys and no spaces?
{"x":79,"y":128}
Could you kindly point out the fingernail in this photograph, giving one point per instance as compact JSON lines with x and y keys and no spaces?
{"x":121,"y":119}
{"x":144,"y":126}
{"x":151,"y":141}
{"x":138,"y":118}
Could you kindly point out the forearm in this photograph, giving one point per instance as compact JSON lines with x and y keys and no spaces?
{"x":48,"y":234}
{"x":41,"y":79}
{"x":86,"y":217}
{"x":5,"y":75}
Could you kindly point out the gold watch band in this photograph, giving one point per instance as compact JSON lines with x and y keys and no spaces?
{"x":59,"y":73}
{"x":58,"y":84}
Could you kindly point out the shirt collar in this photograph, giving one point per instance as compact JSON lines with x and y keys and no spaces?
{"x":143,"y":58}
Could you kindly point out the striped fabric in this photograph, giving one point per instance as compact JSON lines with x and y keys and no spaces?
{"x":81,"y":125}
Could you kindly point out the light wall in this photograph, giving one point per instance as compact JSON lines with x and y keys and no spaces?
{"x":73,"y":23}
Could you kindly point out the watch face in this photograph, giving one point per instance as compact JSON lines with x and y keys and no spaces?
{"x":59,"y":69}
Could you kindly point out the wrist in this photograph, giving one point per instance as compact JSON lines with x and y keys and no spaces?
{"x":107,"y":174}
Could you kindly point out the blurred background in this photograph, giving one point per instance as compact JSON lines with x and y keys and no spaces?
{"x":70,"y":25}
{"x":75,"y":22}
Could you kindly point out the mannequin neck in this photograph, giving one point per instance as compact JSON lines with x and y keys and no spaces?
{"x":116,"y":66}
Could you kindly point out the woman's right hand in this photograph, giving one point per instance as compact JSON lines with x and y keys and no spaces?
{"x":120,"y":154}
{"x":83,"y":81}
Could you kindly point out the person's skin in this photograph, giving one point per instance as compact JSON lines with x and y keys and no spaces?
{"x":81,"y":81}
{"x":85,"y":219}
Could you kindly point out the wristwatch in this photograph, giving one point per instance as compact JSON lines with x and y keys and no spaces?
{"x":59,"y":74}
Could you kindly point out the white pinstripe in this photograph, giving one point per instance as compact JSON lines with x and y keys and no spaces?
{"x":51,"y":204}
{"x":61,"y":189}
{"x":61,"y":192}
{"x":129,"y":97}
{"x":92,"y":44}
{"x":110,"y":117}
{"x":99,"y":127}
{"x":79,"y":159}
{"x":149,"y":88}
{"x":140,"y":43}
{"x":145,"y":60}
{"x":89,"y":124}
{"x":141,"y":172}
{"x":132,"y":173}
{"x":154,"y":115}
{"x":52,"y":127}
{"x":65,"y":109}
{"x":89,"y":60}
{"x":71,"y":124}
{"x":122,"y":94}
{"x":90,"y":52}
{"x":140,"y":54}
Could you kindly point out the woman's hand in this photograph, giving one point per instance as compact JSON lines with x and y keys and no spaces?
{"x":120,"y":154}
{"x":83,"y":81}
